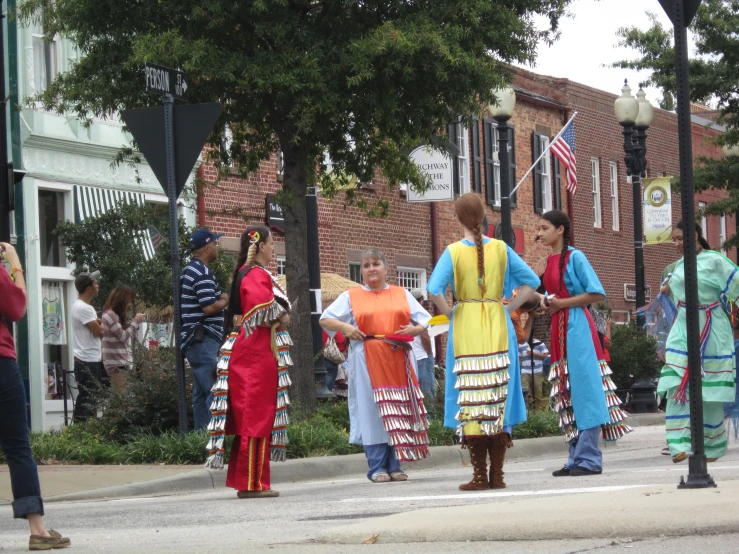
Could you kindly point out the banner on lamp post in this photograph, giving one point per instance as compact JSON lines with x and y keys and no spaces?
{"x":657,"y":210}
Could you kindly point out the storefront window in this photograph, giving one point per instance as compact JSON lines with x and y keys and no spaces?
{"x":51,"y":212}
{"x":54,"y":300}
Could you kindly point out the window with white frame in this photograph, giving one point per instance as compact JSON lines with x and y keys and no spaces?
{"x":546,"y":180}
{"x":47,"y":58}
{"x":226,"y":141}
{"x":463,"y":158}
{"x":355,"y":272}
{"x":722,"y":237}
{"x":614,"y":195}
{"x":496,"y":162}
{"x":51,"y":212}
{"x":280,"y":263}
{"x":411,"y":278}
{"x":704,"y":221}
{"x":280,"y":162}
{"x":595,"y":172}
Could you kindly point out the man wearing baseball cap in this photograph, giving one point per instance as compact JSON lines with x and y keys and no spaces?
{"x":202,"y":308}
{"x":88,"y":334}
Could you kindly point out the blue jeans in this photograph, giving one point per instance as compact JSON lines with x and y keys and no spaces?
{"x":15,"y":444}
{"x":381,"y":459}
{"x":426,"y":377}
{"x":202,"y":357}
{"x":89,"y":376}
{"x":332,"y":370}
{"x":584,"y":451}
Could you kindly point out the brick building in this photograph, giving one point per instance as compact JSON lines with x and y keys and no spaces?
{"x":603,"y":205}
{"x":601,"y":210}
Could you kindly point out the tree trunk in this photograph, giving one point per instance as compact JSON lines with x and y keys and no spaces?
{"x":294,"y":184}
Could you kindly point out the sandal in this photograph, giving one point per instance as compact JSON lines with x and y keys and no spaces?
{"x":679,"y":457}
{"x":381,"y":478}
{"x":269,"y":493}
{"x":398,"y":476}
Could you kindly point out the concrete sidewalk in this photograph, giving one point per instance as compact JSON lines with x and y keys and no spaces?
{"x":604,"y":512}
{"x":74,"y":483}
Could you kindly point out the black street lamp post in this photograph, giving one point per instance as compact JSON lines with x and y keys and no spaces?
{"x":502,"y":112}
{"x":635,"y":116}
{"x":314,"y":282}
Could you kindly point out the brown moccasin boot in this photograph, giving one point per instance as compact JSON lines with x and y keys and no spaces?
{"x":52,"y":542}
{"x":479,"y":456}
{"x":497,"y":445}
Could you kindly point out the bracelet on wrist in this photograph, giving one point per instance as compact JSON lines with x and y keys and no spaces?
{"x":15,"y":269}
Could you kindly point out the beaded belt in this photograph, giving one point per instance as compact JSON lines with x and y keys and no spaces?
{"x":477,"y":301}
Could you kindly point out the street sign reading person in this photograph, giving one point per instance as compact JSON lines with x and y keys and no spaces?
{"x":164,"y":80}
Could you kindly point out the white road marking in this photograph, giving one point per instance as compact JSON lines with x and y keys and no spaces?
{"x":503,"y":494}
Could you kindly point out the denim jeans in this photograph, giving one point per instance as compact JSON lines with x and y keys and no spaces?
{"x":426,"y":377}
{"x":381,"y":459}
{"x":203,"y":357}
{"x":89,"y":376}
{"x":584,"y":451}
{"x":15,"y":443}
{"x":332,"y":370}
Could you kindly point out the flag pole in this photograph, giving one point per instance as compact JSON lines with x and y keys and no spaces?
{"x":551,"y":142}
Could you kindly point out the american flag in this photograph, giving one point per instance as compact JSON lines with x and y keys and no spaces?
{"x":155,"y":236}
{"x":564,"y":149}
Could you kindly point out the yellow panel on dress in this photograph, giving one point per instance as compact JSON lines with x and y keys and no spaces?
{"x":480,"y":338}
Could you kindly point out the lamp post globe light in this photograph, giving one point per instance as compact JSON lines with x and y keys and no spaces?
{"x":502,"y":111}
{"x":635,"y":115}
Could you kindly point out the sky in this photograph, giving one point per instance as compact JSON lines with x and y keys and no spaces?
{"x":588,"y":43}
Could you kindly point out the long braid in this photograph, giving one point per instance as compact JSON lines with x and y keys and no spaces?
{"x":563,"y":255}
{"x":480,"y":259}
{"x":252,"y":252}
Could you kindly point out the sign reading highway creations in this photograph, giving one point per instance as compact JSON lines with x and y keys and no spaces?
{"x":438,"y":165}
{"x":164,"y":80}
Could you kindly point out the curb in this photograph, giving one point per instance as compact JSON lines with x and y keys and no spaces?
{"x":330,"y":467}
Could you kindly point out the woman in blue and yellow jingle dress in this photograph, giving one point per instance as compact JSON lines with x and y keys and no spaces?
{"x":483,"y":397}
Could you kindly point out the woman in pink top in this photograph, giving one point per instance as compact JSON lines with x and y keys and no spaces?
{"x":118,"y":331}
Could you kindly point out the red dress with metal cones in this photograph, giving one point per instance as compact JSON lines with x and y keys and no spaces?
{"x":250,"y":394}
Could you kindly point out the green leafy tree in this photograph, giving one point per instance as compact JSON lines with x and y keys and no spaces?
{"x":714,"y":76}
{"x":363,"y":82}
{"x":113,"y":243}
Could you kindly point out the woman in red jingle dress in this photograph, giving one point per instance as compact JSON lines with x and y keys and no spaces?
{"x":253,"y":373}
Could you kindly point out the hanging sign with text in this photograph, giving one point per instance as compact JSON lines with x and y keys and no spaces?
{"x":657,"y":210}
{"x":275,"y":216}
{"x":437,"y":165}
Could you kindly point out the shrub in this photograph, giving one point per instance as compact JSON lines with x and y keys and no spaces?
{"x":148,"y":404}
{"x":633,"y":355}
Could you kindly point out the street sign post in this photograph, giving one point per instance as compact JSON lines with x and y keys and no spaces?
{"x":171,"y":138}
{"x":681,"y":13}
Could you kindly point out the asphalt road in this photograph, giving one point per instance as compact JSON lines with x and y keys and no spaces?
{"x":292,"y":522}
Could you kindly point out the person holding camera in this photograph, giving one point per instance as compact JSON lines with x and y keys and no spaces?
{"x":27,"y":501}
{"x":202,"y":310}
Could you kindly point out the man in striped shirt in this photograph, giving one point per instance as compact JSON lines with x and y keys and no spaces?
{"x":202,"y":310}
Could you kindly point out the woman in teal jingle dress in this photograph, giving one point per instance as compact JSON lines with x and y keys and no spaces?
{"x":718,"y":287}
